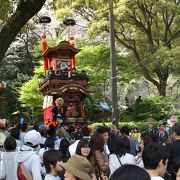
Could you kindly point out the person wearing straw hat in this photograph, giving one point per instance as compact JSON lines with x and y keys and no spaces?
{"x":77,"y":168}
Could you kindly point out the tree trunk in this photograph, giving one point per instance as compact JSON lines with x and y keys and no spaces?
{"x":26,"y":9}
{"x":162,"y":74}
{"x":162,"y":84}
{"x":162,"y":87}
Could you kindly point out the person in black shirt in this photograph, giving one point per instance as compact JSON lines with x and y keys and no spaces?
{"x":138,"y":100}
{"x":174,"y":147}
{"x":51,"y":73}
{"x":59,"y":118}
{"x":58,"y":111}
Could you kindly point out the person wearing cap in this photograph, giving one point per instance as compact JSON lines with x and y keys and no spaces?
{"x":27,"y":154}
{"x":77,"y":168}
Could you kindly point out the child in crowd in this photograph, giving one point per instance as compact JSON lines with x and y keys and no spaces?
{"x":52,"y":159}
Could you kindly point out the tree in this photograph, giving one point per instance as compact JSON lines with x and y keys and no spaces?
{"x":30,"y":96}
{"x":95,"y":60}
{"x":143,"y":27}
{"x":16,"y":68}
{"x":11,"y":26}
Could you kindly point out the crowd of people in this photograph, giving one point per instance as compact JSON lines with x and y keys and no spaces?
{"x":66,"y":74}
{"x":81,"y":153}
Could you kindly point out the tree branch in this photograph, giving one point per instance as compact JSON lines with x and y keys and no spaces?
{"x":143,"y":67}
{"x":173,"y":37}
{"x":26,"y":9}
{"x":148,"y":19}
{"x":128,"y":46}
{"x":86,"y":13}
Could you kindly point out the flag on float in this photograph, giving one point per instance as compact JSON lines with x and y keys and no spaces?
{"x":47,"y":108}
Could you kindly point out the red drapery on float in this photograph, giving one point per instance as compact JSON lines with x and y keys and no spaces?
{"x":73,"y":61}
{"x":47,"y":108}
{"x":44,"y":48}
{"x":48,"y":118}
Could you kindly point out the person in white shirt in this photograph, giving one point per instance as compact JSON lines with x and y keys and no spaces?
{"x":49,"y":144}
{"x":72,"y":147}
{"x":9,"y":158}
{"x":121,"y":155}
{"x":155,"y":158}
{"x":138,"y":157}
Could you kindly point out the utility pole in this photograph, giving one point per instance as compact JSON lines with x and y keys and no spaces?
{"x":115,"y":117}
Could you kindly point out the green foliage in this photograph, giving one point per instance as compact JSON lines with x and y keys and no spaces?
{"x":91,"y":107}
{"x":157,"y":108}
{"x":16,"y":68}
{"x":30,"y":96}
{"x":9,"y":104}
{"x":95,"y":61}
{"x":6,"y":9}
{"x":127,"y":116}
{"x":142,"y":126}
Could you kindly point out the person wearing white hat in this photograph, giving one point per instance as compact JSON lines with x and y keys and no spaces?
{"x":27,"y":154}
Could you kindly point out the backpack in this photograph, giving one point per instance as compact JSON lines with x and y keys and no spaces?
{"x":23,"y":173}
{"x":2,"y":168}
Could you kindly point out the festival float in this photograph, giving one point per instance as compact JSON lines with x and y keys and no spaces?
{"x":63,"y":81}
